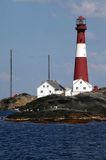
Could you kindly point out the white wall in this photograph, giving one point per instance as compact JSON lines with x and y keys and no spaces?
{"x":46,"y":89}
{"x":59,"y":92}
{"x":68,"y":92}
{"x":81,"y":86}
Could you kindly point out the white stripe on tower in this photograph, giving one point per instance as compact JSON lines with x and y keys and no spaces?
{"x":81,"y":50}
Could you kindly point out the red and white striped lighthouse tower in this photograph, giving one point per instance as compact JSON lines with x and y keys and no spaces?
{"x":81,"y":68}
{"x":81,"y":82}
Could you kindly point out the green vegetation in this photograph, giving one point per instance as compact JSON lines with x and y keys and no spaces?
{"x":3,"y":108}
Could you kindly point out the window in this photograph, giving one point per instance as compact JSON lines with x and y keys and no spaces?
{"x":43,"y":86}
{"x":80,"y":82}
{"x":76,"y":88}
{"x":47,"y":86}
{"x":41,"y":91}
{"x":84,"y":88}
{"x":49,"y":91}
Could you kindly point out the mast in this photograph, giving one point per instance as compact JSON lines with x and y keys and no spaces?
{"x":10,"y":72}
{"x":48,"y":67}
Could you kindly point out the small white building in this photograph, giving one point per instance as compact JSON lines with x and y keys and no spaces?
{"x":68,"y":92}
{"x":50,"y":87}
{"x":79,"y":86}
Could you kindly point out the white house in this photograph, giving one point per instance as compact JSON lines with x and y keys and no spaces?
{"x":50,"y":87}
{"x":79,"y":86}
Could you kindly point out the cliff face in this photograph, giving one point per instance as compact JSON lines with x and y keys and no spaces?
{"x":81,"y":108}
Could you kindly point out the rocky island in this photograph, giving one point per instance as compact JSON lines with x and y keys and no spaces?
{"x":16,"y":101}
{"x":82,"y":108}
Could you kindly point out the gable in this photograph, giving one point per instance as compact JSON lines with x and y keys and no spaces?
{"x":81,"y":85}
{"x":45,"y":85}
{"x":52,"y":84}
{"x":79,"y":82}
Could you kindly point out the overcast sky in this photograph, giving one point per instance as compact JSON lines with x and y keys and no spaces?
{"x":35,"y":28}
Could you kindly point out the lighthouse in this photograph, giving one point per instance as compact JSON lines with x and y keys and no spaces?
{"x":81,"y":79}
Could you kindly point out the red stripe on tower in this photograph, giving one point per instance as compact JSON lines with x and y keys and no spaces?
{"x":81,"y":68}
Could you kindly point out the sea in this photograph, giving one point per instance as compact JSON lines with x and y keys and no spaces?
{"x":32,"y":141}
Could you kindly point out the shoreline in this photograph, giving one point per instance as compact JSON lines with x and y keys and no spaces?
{"x":68,"y":121}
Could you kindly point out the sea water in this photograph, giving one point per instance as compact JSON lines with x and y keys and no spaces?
{"x":31,"y":141}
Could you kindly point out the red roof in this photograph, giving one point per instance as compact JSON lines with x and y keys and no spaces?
{"x":81,"y":17}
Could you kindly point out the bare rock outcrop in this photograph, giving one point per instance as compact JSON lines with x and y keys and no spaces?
{"x":17,"y":101}
{"x":77,"y":109}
